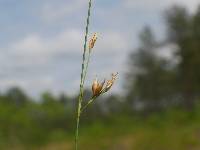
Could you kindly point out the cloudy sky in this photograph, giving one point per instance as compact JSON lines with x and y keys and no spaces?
{"x":41,"y":40}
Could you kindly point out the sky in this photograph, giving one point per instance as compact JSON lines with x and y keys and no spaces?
{"x":41,"y":42}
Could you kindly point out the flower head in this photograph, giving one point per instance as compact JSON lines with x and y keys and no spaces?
{"x":92,"y":41}
{"x":97,"y":87}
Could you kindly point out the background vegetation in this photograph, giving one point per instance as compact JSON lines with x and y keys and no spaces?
{"x":160,"y":109}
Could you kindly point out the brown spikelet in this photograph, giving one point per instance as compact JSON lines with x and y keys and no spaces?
{"x":97,"y":87}
{"x":92,"y":41}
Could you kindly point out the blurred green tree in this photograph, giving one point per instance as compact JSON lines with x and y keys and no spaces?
{"x":149,"y":77}
{"x":184,"y":32}
{"x":16,"y":96}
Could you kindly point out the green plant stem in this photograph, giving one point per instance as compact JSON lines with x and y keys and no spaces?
{"x":86,"y":67}
{"x":77,"y":126}
{"x":82,"y":79}
{"x":88,"y":103}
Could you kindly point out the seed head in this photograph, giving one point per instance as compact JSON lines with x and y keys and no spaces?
{"x":92,"y":41}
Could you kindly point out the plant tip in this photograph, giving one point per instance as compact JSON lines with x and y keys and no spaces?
{"x":110,"y":83}
{"x":92,"y":41}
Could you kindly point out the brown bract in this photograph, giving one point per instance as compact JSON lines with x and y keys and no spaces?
{"x":97,"y":87}
{"x":92,"y":41}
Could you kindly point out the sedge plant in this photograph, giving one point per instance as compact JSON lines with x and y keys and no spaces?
{"x":98,"y":88}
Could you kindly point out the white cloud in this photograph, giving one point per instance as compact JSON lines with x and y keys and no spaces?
{"x":32,"y":55}
{"x":160,"y":4}
{"x":32,"y":85}
{"x":56,"y":10}
{"x":111,"y":42}
{"x":36,"y":47}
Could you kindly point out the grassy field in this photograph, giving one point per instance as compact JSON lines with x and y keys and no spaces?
{"x":175,"y":130}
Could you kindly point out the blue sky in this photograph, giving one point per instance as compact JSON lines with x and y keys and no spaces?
{"x":41,"y":41}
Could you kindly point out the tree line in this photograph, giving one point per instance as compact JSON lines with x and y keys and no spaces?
{"x":156,"y":81}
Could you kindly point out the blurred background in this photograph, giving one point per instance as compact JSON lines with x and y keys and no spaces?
{"x":155,"y":47}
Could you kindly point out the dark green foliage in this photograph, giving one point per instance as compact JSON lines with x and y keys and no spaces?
{"x":150,"y":76}
{"x":155,"y":82}
{"x":25,"y":121}
{"x":184,"y":32}
{"x":33,"y":122}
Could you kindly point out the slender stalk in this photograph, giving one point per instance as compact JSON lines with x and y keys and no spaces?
{"x":88,"y":103}
{"x":82,"y":78}
{"x":86,"y":67}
